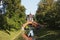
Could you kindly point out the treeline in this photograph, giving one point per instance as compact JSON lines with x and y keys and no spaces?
{"x":48,"y":13}
{"x":14,"y":16}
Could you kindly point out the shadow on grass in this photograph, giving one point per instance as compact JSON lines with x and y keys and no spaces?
{"x":8,"y":28}
{"x":42,"y":33}
{"x":49,"y":37}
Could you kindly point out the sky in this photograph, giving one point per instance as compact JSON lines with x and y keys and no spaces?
{"x":30,"y":5}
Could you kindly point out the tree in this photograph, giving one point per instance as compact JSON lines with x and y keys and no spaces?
{"x":15,"y":14}
{"x":47,"y":13}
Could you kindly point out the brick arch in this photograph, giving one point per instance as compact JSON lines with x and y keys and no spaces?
{"x":27,"y":23}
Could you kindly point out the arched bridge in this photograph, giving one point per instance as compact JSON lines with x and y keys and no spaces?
{"x":30,"y":21}
{"x":33,"y":23}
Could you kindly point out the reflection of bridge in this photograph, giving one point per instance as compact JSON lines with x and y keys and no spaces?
{"x":33,"y":23}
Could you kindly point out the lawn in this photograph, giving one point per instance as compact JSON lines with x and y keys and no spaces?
{"x":6,"y":36}
{"x":42,"y":34}
{"x":47,"y":34}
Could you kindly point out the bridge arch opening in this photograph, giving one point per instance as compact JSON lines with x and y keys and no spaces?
{"x":31,"y":25}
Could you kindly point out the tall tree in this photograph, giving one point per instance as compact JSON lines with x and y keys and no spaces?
{"x":15,"y":14}
{"x":47,"y":13}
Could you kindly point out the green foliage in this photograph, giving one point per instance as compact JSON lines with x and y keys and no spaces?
{"x":48,"y":13}
{"x":2,"y":22}
{"x":15,"y":15}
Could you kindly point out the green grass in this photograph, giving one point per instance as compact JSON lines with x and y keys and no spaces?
{"x":42,"y":34}
{"x":45,"y":34}
{"x":6,"y":36}
{"x":48,"y":34}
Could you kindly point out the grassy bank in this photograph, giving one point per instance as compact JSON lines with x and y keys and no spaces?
{"x":6,"y":36}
